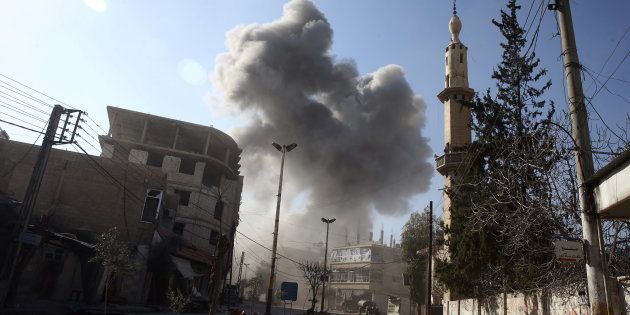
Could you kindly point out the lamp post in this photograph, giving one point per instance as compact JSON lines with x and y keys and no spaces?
{"x":328,"y":222}
{"x":284,"y":149}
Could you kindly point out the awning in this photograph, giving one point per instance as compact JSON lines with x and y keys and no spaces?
{"x":184,"y":268}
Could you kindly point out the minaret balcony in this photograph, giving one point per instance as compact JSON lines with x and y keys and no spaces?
{"x":449,"y":161}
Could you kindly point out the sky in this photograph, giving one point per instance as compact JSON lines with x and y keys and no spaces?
{"x":159,"y":57}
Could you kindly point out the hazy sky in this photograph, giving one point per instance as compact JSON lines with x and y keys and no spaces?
{"x":158,"y":57}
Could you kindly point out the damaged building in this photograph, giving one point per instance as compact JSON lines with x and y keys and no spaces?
{"x":170,"y":188}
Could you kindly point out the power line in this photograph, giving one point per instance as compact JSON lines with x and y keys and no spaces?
{"x":611,"y":75}
{"x":20,"y":126}
{"x":21,"y":120}
{"x":23,"y":157}
{"x":17,"y":110}
{"x":612,"y":52}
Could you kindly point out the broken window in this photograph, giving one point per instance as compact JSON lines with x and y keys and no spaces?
{"x":155,"y":159}
{"x":152,"y":203}
{"x":187,"y":166}
{"x":178,"y":228}
{"x":214,"y":237}
{"x":184,"y":197}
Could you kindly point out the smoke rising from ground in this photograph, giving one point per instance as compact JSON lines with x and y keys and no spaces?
{"x":360,"y":145}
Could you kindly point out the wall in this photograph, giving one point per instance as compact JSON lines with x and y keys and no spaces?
{"x":531,"y":305}
{"x":77,"y":196}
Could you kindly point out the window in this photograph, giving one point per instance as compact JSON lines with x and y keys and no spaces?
{"x":218,"y":209}
{"x":447,"y":83}
{"x":155,"y":159}
{"x":187,"y":166}
{"x":178,"y":228}
{"x":152,"y":203}
{"x":461,"y":58}
{"x":447,"y":61}
{"x":214,"y":237}
{"x":184,"y":197}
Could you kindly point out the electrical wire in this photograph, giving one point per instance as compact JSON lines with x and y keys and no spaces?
{"x":20,"y":126}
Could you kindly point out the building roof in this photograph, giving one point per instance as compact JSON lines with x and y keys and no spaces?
{"x":112,"y":111}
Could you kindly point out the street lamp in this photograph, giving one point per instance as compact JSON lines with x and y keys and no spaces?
{"x":328,"y":222}
{"x":284,"y":149}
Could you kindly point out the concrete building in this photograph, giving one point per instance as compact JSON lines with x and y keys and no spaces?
{"x":201,"y":166}
{"x":76,"y":202}
{"x":169,"y":186}
{"x":370,"y":272}
{"x":457,"y":118}
{"x":203,"y":184}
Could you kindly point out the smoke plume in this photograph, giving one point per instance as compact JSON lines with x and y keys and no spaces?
{"x":359,"y":140}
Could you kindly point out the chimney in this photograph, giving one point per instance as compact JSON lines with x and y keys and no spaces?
{"x":371,"y":236}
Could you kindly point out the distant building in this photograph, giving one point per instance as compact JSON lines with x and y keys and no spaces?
{"x":370,"y":272}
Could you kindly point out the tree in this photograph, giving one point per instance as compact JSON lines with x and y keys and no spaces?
{"x":415,"y":244}
{"x":177,"y":301}
{"x":255,"y":286}
{"x":113,"y":253}
{"x":315,"y":273}
{"x":504,"y":217}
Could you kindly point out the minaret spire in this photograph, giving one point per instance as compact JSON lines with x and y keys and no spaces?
{"x":454,"y":7}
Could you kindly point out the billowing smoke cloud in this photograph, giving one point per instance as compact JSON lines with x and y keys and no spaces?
{"x":360,"y":145}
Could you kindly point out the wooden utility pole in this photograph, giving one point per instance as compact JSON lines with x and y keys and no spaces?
{"x":595,"y":272}
{"x":429,"y":258}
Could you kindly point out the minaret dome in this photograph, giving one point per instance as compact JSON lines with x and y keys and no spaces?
{"x":455,"y":26}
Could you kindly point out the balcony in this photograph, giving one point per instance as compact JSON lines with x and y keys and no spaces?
{"x":449,"y":161}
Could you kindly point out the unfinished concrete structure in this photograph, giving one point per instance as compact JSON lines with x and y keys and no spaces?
{"x":201,"y":165}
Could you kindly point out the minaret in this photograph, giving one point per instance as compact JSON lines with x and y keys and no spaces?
{"x":457,"y":118}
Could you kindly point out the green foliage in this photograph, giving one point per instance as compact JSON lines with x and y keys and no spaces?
{"x":177,"y":301}
{"x":415,"y":238}
{"x":502,"y":217}
{"x":113,"y":253}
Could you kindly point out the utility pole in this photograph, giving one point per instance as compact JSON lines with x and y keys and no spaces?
{"x":272,"y":276}
{"x":328,"y":222}
{"x":66,"y":136}
{"x":430,"y":257}
{"x":223,"y":246}
{"x":244,"y":280}
{"x":591,"y":229}
{"x":240,"y":268}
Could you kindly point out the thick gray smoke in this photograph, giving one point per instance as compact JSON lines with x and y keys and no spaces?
{"x":360,"y":145}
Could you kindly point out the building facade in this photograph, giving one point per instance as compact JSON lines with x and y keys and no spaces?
{"x":457,"y":118}
{"x":170,"y":187}
{"x":201,"y":165}
{"x":369,"y":272}
{"x":76,"y":203}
